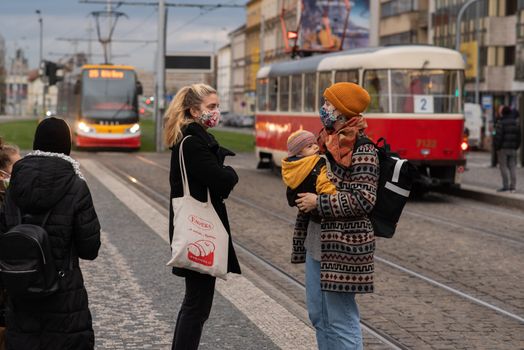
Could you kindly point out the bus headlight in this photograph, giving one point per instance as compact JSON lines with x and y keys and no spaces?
{"x":85,"y":128}
{"x":134,"y":129}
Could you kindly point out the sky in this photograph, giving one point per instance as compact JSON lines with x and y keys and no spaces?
{"x":188,"y":29}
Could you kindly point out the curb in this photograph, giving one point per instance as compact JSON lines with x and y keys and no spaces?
{"x":509,"y":200}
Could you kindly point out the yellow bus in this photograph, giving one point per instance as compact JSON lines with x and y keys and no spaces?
{"x":101,"y":103}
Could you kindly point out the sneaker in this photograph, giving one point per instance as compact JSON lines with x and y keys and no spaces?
{"x":503,"y":189}
{"x":513,"y":190}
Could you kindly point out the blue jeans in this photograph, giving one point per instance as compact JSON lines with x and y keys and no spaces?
{"x":334,"y":315}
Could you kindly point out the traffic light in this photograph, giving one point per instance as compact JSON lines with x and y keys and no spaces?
{"x":50,"y":70}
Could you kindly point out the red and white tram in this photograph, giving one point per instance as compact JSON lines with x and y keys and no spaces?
{"x":416,"y":103}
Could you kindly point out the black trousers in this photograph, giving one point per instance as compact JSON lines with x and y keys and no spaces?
{"x":194,"y":311}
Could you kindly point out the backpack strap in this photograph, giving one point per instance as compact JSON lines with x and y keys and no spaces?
{"x":19,"y":212}
{"x":363,"y":140}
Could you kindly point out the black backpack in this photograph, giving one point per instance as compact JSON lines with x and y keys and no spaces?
{"x":27,"y":267}
{"x":394,"y":186}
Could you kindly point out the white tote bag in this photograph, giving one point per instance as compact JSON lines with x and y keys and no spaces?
{"x":200,"y":241}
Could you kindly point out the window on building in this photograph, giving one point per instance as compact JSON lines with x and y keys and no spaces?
{"x":509,"y":55}
{"x":376,"y":84}
{"x":519,"y":61}
{"x":310,"y":83}
{"x":284,"y":93}
{"x":262,"y":94}
{"x":350,"y":76}
{"x":273,"y":93}
{"x":511,"y":7}
{"x":324,"y":81}
{"x":396,"y":7}
{"x":409,"y":37}
{"x":296,"y":93}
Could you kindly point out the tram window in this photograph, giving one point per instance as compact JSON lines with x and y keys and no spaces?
{"x":296,"y":93}
{"x":425,"y":91}
{"x":273,"y":94}
{"x":324,"y":81}
{"x":262,"y":94}
{"x":376,"y":84}
{"x":284,"y":93}
{"x":350,"y":76}
{"x":310,"y":83}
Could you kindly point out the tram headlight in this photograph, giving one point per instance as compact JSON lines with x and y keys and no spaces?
{"x":134,"y":129}
{"x":85,"y":128}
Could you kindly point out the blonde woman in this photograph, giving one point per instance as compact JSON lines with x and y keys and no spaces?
{"x":194,"y":109}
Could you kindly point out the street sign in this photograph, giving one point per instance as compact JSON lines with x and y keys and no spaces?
{"x":190,"y":62}
{"x":487,"y":102}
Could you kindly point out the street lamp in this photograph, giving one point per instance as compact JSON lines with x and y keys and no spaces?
{"x":105,"y":32}
{"x":41,"y":56}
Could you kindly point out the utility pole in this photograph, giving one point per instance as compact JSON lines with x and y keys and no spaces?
{"x":160,"y":75}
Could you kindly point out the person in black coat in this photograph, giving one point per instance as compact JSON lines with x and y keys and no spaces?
{"x":47,"y":179}
{"x":193,"y":110}
{"x":507,"y":141}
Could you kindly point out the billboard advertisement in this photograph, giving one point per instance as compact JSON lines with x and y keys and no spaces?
{"x":328,"y":25}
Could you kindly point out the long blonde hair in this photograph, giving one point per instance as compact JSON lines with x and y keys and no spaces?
{"x":6,"y":152}
{"x":178,"y":115}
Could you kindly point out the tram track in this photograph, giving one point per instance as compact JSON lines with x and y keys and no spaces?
{"x":290,"y":221}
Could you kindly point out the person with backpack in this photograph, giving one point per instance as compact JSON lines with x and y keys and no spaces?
{"x":47,"y":224}
{"x":506,"y":142}
{"x":347,"y":239}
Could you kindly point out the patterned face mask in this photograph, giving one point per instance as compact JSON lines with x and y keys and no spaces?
{"x":328,"y":117}
{"x":210,"y":118}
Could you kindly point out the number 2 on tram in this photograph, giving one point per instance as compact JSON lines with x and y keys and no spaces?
{"x":416,"y":103}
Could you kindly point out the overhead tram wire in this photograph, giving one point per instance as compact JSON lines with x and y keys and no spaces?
{"x":140,"y":24}
{"x":144,"y":3}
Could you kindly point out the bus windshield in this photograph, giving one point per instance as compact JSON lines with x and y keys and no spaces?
{"x":413,"y":91}
{"x":109,"y":94}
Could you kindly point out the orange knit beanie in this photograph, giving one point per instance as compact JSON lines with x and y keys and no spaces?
{"x":348,"y":98}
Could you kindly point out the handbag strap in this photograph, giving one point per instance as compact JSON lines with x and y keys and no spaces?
{"x":182,"y":163}
{"x":183,"y":173}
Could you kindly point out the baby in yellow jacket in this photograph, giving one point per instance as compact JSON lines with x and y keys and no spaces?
{"x":304,"y":170}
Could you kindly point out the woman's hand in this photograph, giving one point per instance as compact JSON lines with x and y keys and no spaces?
{"x":306,"y":202}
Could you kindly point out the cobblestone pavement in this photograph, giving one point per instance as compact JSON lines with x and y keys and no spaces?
{"x":122,"y":311}
{"x":120,"y":301}
{"x":468,"y":245}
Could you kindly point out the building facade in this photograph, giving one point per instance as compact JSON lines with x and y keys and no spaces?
{"x":3,"y":72}
{"x":488,"y":35}
{"x":238,"y":62}
{"x":403,"y":22}
{"x":16,"y":85}
{"x":252,"y":52}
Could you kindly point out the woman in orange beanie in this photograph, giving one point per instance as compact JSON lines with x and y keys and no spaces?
{"x":347,"y":240}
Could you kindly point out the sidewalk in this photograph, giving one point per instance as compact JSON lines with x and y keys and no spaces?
{"x":484,"y":180}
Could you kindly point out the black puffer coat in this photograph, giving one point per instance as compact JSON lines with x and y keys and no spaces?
{"x":507,"y":132}
{"x":204,"y":160}
{"x":62,"y":320}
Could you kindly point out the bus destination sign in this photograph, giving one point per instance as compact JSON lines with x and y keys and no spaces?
{"x":105,"y":74}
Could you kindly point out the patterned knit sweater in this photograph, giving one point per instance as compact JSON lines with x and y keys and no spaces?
{"x":347,"y":238}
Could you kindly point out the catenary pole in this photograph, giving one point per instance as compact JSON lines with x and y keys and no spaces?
{"x":160,"y":75}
